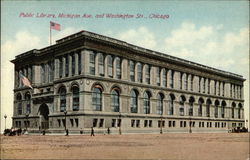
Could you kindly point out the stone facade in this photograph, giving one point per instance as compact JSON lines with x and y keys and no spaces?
{"x":91,"y":80}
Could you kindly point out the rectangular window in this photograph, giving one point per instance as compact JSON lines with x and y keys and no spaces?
{"x":119,"y":123}
{"x":72,"y":122}
{"x":186,"y":82}
{"x":219,"y":88}
{"x":169,"y":123}
{"x":215,"y":83}
{"x":173,"y":123}
{"x":159,"y":124}
{"x":95,"y":122}
{"x":66,"y":66}
{"x":113,"y":123}
{"x":180,"y":80}
{"x":204,"y":85}
{"x":192,"y":83}
{"x":101,"y":65}
{"x":139,"y":73}
{"x":79,"y":63}
{"x":203,"y":124}
{"x":210,"y":124}
{"x":132,"y":123}
{"x":164,"y":78}
{"x":110,"y":66}
{"x":150,"y":123}
{"x":76,"y":122}
{"x":199,"y":84}
{"x":223,"y":89}
{"x":171,"y":83}
{"x":158,"y":75}
{"x":207,"y":124}
{"x":193,"y":124}
{"x":184,"y":124}
{"x":181,"y":123}
{"x":60,"y":67}
{"x":118,"y":68}
{"x":145,"y":123}
{"x":147,"y":74}
{"x":92,"y":63}
{"x":63,"y":121}
{"x":59,"y":122}
{"x":208,"y":85}
{"x":101,"y":123}
{"x":132,"y":71}
{"x":137,"y":123}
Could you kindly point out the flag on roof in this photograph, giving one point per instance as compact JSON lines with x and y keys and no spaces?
{"x":55,"y":26}
{"x":25,"y":81}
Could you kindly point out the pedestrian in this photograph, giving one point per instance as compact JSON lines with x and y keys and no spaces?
{"x":67,"y":132}
{"x":43,"y":132}
{"x":92,"y":131}
{"x":108,"y":130}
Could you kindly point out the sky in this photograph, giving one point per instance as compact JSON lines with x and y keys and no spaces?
{"x":213,"y":33}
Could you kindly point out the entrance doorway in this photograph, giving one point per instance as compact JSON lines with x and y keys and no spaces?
{"x":44,"y":116}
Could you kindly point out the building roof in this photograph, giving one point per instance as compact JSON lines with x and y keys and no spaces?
{"x":114,"y":41}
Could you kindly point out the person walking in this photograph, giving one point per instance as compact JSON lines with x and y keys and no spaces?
{"x":92,"y":131}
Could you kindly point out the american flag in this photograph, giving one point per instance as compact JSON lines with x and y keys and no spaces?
{"x":55,"y":26}
{"x":25,"y":81}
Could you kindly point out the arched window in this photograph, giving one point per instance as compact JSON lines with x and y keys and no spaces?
{"x":62,"y":94}
{"x":239,"y":110}
{"x":132,"y":71}
{"x":160,"y":98}
{"x":97,"y":98}
{"x":118,"y":68}
{"x":171,"y":104}
{"x":181,"y":107}
{"x":146,"y":103}
{"x":191,"y":104}
{"x":139,"y":72}
{"x":115,"y":103}
{"x":233,"y":107}
{"x":134,"y":101}
{"x":208,"y":103}
{"x":27,"y":99}
{"x":75,"y":90}
{"x":201,"y":101}
{"x":110,"y":66}
{"x":223,"y":105}
{"x":101,"y":64}
{"x":216,"y":109}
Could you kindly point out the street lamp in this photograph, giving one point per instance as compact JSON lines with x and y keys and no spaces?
{"x":5,"y":116}
{"x":65,"y":113}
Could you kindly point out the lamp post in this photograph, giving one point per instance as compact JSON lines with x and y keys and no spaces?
{"x":161,"y":122}
{"x":5,"y":116}
{"x":27,"y":115}
{"x":65,"y":113}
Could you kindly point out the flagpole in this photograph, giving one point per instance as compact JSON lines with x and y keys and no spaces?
{"x":50,"y":32}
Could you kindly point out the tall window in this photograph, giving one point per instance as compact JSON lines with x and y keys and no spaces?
{"x":73,"y":64}
{"x":79,"y":63}
{"x":97,"y":98}
{"x":51,"y":71}
{"x":60,"y":67}
{"x":132,"y":70}
{"x":101,"y":64}
{"x":158,"y":75}
{"x":239,"y":110}
{"x":199,"y":84}
{"x":27,"y":99}
{"x":160,"y":98}
{"x":181,"y":107}
{"x":215,"y":84}
{"x":171,"y":104}
{"x":216,"y":109}
{"x":115,"y":100}
{"x":147,"y":74}
{"x":43,"y":73}
{"x":208,"y":103}
{"x":19,"y":106}
{"x":171,"y":78}
{"x":118,"y":68}
{"x":201,"y":101}
{"x":139,"y":72}
{"x":110,"y":66}
{"x":204,"y":85}
{"x":219,"y":87}
{"x":134,"y":101}
{"x":185,"y":81}
{"x":146,"y":103}
{"x":208,"y":86}
{"x":62,"y":94}
{"x":92,"y":63}
{"x":75,"y":91}
{"x":233,"y":107}
{"x":180,"y":80}
{"x":164,"y":77}
{"x":191,"y":104}
{"x":66,"y":66}
{"x":192,"y":83}
{"x":223,"y":105}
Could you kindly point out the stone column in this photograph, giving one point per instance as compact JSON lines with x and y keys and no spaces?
{"x":169,"y":72}
{"x":176,"y":80}
{"x":69,"y":106}
{"x":83,"y":54}
{"x":70,"y":65}
{"x":153,"y":75}
{"x":105,"y":65}
{"x":124,"y":69}
{"x":212,"y":91}
{"x":76,"y":63}
{"x":196,"y":84}
{"x":176,"y":107}
{"x":63,"y":66}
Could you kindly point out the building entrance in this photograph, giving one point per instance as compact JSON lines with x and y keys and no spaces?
{"x":44,"y":116}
